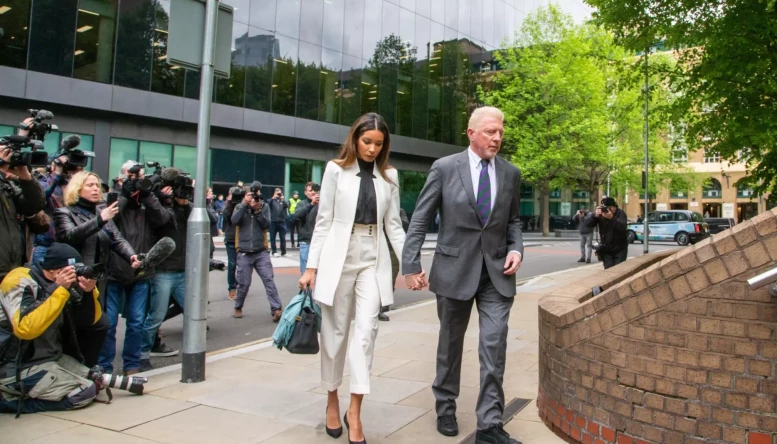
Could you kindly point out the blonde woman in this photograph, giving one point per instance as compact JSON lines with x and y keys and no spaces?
{"x":349,"y":257}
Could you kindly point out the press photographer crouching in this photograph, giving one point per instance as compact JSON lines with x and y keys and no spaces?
{"x":140,"y":215}
{"x":611,"y":220}
{"x":41,"y":364}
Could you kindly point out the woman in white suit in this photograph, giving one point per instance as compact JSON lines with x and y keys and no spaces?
{"x":350,"y":264}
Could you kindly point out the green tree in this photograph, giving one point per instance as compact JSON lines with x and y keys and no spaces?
{"x":725,"y":71}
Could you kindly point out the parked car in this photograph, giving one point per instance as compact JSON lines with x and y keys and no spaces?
{"x":718,"y":224}
{"x":681,"y":226}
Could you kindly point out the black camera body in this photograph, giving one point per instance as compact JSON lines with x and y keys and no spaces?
{"x":604,"y":209}
{"x":180,"y":182}
{"x":35,"y":158}
{"x":38,"y":128}
{"x":238,"y":194}
{"x":94,"y":272}
{"x":75,"y":158}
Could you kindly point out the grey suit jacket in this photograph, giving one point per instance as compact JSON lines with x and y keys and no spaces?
{"x":463,"y":242}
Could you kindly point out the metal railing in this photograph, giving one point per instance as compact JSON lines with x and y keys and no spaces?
{"x":763,"y":279}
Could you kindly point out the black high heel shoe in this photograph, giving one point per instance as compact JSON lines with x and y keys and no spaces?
{"x":334,"y":433}
{"x":345,"y":420}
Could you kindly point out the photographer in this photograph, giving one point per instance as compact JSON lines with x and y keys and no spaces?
{"x":170,"y":279}
{"x":22,"y":198}
{"x":88,"y":226}
{"x":305,"y":217}
{"x":279,"y":208}
{"x":235,"y":196}
{"x":586,"y":234}
{"x":612,"y":221}
{"x":251,"y":218}
{"x":35,"y":314}
{"x":140,"y":213}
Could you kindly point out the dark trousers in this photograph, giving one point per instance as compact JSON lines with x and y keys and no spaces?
{"x":231,"y":265}
{"x":613,"y":259}
{"x":278,"y":228}
{"x":291,"y":225}
{"x":493,"y":314}
{"x":89,"y":335}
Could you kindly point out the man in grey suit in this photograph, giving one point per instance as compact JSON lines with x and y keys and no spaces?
{"x":479,"y":250}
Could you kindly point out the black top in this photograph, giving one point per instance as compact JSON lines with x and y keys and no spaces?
{"x":367,"y":205}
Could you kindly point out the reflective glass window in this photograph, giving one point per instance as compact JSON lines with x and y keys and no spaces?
{"x":390,"y":24}
{"x":287,"y":18}
{"x":156,"y":152}
{"x":369,"y":86}
{"x":165,"y":78}
{"x":284,"y":79}
{"x":500,"y":31}
{"x":488,"y":22}
{"x":476,"y":20}
{"x":422,"y":44}
{"x":134,"y":43}
{"x":308,"y":80}
{"x":350,"y":90}
{"x":191,"y":83}
{"x":241,"y":13}
{"x":261,"y":47}
{"x":15,"y":22}
{"x":510,"y":28}
{"x":95,"y":33}
{"x":464,"y":16}
{"x":7,"y":130}
{"x":263,"y":13}
{"x":423,"y":8}
{"x":232,"y":166}
{"x":420,"y":113}
{"x":51,"y":142}
{"x":435,"y":83}
{"x":408,"y":50}
{"x":410,"y":184}
{"x":122,"y":150}
{"x":334,"y":15}
{"x":373,"y":20}
{"x":231,"y":91}
{"x":271,"y":171}
{"x":408,"y":4}
{"x":387,"y":101}
{"x":52,"y":36}
{"x":329,"y":92}
{"x":451,"y":13}
{"x":353,"y":33}
{"x":404,"y":104}
{"x":185,"y":158}
{"x":312,"y":21}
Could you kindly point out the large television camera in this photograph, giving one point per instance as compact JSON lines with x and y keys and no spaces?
{"x":180,"y":182}
{"x":38,"y":128}
{"x":76,"y":159}
{"x":35,"y":158}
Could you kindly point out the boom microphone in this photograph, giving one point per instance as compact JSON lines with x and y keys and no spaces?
{"x":155,"y":256}
{"x":70,"y":142}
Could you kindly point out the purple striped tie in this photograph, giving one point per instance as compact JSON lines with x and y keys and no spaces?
{"x":484,"y":193}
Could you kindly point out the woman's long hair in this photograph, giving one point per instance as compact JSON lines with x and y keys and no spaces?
{"x":350,"y":149}
{"x":76,"y":183}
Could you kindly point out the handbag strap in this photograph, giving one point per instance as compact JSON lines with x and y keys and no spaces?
{"x":307,"y":294}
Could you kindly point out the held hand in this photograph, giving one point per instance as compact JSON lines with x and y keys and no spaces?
{"x":598,"y":212}
{"x":512,"y":263}
{"x":315,"y":200}
{"x":66,"y":277}
{"x":86,"y":284}
{"x":167,"y":191}
{"x":27,"y":122}
{"x":135,"y":263}
{"x":22,"y":172}
{"x":109,"y":212}
{"x":248,"y":198}
{"x":416,"y":281}
{"x":308,"y":279}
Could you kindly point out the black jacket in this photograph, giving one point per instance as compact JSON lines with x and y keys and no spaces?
{"x":251,"y":228}
{"x":228,"y":226}
{"x":85,"y":231}
{"x":306,"y":215}
{"x":279,"y":208}
{"x":137,"y":225}
{"x":26,"y":199}
{"x":176,"y":230}
{"x":582,"y":222}
{"x":612,"y":231}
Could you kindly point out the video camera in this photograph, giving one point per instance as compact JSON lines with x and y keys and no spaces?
{"x":180,"y":182}
{"x":36,"y":158}
{"x":256,"y":190}
{"x":75,"y":158}
{"x":37,"y":128}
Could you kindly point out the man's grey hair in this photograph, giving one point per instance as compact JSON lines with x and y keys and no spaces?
{"x":479,"y":114}
{"x":125,"y":167}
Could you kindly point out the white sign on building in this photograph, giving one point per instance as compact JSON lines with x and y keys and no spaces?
{"x":728,"y":210}
{"x":661,"y":207}
{"x":566,"y":208}
{"x":694,"y":204}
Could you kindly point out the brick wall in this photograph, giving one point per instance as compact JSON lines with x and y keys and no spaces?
{"x":679,"y":352}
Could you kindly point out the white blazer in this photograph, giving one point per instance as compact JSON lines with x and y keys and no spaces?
{"x":336,"y":212}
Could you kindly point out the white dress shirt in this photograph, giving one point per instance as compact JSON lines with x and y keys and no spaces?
{"x":475,"y":167}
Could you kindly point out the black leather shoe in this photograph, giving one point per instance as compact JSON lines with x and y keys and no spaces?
{"x":383,"y":317}
{"x":494,"y":435}
{"x":334,"y":433}
{"x":582,"y":259}
{"x":345,"y":420}
{"x":447,"y":425}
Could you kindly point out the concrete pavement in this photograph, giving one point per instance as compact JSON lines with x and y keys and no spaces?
{"x":258,"y":394}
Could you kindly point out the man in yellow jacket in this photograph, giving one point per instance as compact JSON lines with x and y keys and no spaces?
{"x":36,"y":339}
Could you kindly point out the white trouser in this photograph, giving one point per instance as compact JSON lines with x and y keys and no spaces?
{"x":357,"y":297}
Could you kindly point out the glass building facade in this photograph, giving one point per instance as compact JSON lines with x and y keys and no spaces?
{"x":419,"y":63}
